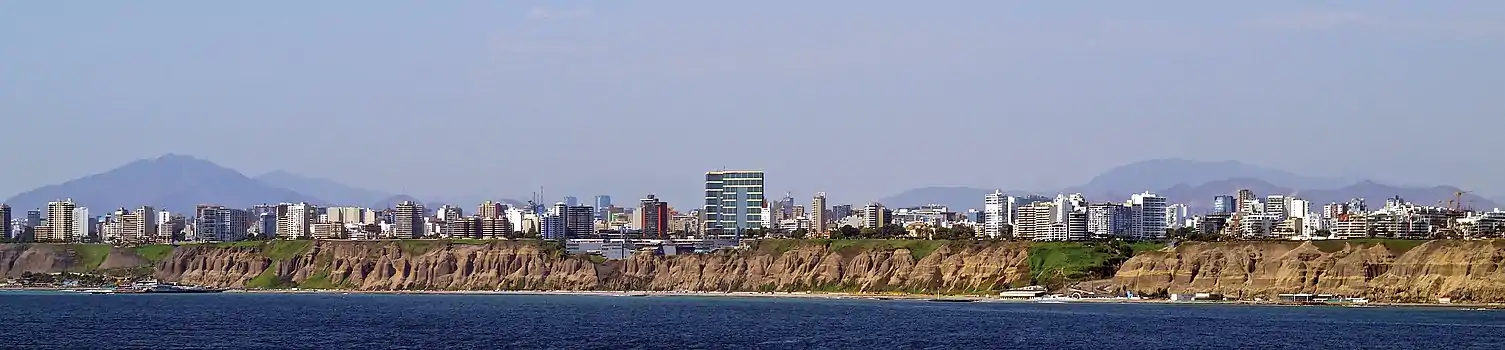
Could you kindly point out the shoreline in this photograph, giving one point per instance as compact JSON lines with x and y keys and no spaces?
{"x":810,"y":295}
{"x":864,"y":296}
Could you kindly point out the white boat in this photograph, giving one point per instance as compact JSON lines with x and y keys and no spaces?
{"x":98,"y":291}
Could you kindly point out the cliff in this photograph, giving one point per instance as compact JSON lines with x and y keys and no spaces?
{"x":867,"y":266}
{"x":1381,"y":270}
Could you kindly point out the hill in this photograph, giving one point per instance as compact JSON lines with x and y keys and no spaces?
{"x":956,"y":198}
{"x":1154,"y":174}
{"x":170,"y":182}
{"x":329,"y":190}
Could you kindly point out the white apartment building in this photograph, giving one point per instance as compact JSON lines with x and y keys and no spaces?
{"x":294,"y":225}
{"x":998,"y":214}
{"x":1108,"y":220}
{"x":1148,"y":216}
{"x":1176,"y":216}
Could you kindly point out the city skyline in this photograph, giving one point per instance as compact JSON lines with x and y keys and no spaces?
{"x":1283,"y":84}
{"x":1217,"y":172}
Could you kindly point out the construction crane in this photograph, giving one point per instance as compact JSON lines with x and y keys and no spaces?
{"x":1457,"y":202}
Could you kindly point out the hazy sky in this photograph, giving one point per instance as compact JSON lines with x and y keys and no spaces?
{"x":860,"y":99}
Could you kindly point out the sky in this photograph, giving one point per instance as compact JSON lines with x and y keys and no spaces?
{"x":860,"y":99}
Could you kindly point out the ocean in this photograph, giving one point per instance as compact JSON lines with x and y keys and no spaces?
{"x":383,"y":321}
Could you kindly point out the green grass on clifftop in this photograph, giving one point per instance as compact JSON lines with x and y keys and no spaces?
{"x":87,"y":257}
{"x":154,"y":253}
{"x":268,"y":279}
{"x":275,"y":250}
{"x":1059,"y":262}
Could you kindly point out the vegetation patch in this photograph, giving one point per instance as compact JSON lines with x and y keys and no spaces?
{"x":1146,"y":246}
{"x":268,"y":279}
{"x":319,"y":280}
{"x":87,"y":257}
{"x":287,"y":250}
{"x":1058,"y":263}
{"x":781,"y":246}
{"x":154,"y":253}
{"x":918,"y":248}
{"x":596,"y":259}
{"x":419,"y":246}
{"x":240,"y":244}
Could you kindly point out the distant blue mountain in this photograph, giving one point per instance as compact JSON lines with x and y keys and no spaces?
{"x":171,"y":182}
{"x":329,"y":190}
{"x":1195,"y":183}
{"x":955,"y":198}
{"x":392,"y":201}
{"x":1158,"y":174}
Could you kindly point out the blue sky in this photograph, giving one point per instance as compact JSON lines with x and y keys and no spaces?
{"x":860,"y":99}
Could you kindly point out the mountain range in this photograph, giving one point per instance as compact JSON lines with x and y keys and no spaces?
{"x":1195,"y":183}
{"x":171,"y":182}
{"x":179,"y":183}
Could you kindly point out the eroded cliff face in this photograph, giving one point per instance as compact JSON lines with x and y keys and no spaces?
{"x":508,"y":265}
{"x":16,"y":259}
{"x":1462,"y":270}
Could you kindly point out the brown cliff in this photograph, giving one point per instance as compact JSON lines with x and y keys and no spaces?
{"x":1391,"y":271}
{"x":511,"y":265}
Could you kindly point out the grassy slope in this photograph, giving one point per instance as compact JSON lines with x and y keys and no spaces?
{"x":87,"y":257}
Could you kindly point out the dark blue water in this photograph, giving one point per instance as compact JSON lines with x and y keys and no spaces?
{"x":331,"y":321}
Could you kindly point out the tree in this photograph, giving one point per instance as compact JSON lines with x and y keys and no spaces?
{"x":799,"y":234}
{"x":846,"y":232}
{"x":892,"y":231}
{"x":963,"y":232}
{"x":867,"y":232}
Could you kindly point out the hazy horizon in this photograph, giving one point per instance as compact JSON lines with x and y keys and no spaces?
{"x":857,"y":99}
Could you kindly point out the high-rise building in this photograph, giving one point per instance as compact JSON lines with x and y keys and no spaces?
{"x":294,"y":222}
{"x":998,"y":214}
{"x":1148,"y":221}
{"x":494,"y":228}
{"x":450,"y":221}
{"x":5,"y":226}
{"x":734,"y":202}
{"x":267,"y":224}
{"x":655,"y":214}
{"x":348,"y":215}
{"x":408,"y":221}
{"x":603,"y":204}
{"x":145,"y":224}
{"x":579,"y":221}
{"x":1300,"y":208}
{"x":776,"y":211}
{"x":34,"y":218}
{"x":168,"y":230}
{"x":1108,"y":220}
{"x":1033,"y":221}
{"x":874,"y":215}
{"x":1176,"y":216}
{"x":1224,"y":205}
{"x":83,"y":225}
{"x":551,"y":227}
{"x":818,"y":219}
{"x":571,"y":201}
{"x":491,"y":210}
{"x":839,"y":212}
{"x":1277,"y":205}
{"x":60,"y":222}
